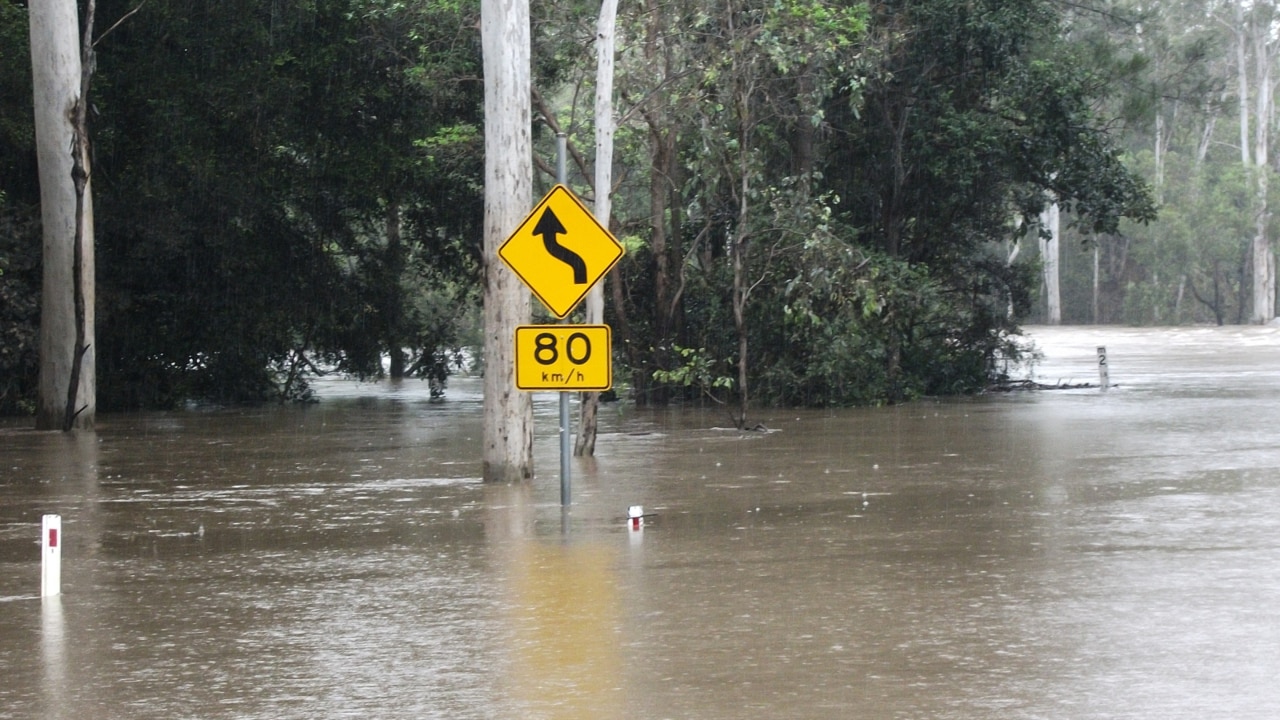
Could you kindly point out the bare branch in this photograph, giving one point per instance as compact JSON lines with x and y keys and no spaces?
{"x":126,"y":16}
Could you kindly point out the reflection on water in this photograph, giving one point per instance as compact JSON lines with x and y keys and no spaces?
{"x":53,"y":655}
{"x":1069,"y":554}
{"x":566,"y":658}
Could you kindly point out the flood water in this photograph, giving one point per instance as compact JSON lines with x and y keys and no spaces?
{"x":1053,"y":554}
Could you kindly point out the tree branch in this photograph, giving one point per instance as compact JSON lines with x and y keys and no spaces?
{"x":126,"y":16}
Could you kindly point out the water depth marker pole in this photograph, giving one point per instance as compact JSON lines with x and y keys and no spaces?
{"x":565,"y":480}
{"x":51,"y":555}
{"x":1103,"y":380}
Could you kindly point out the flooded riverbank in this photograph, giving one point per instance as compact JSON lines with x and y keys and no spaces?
{"x":1066,"y":554}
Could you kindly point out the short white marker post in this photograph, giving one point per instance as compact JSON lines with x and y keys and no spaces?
{"x":1103,"y":380}
{"x":635,"y":517}
{"x":51,"y":556}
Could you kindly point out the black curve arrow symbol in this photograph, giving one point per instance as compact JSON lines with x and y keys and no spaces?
{"x":549,"y":226}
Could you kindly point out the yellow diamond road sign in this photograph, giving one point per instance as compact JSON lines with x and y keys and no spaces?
{"x":560,"y":251}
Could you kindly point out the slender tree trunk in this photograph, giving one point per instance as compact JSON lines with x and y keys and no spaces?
{"x":740,"y":308}
{"x":67,"y":385}
{"x":1096,"y":283}
{"x":1050,"y":219}
{"x":622,"y":326}
{"x":1263,"y":281}
{"x":1206,"y":133}
{"x":1242,"y":283}
{"x":1217,"y":296}
{"x":891,"y":214}
{"x":1014,"y":249}
{"x":664,"y":235}
{"x":508,"y":191}
{"x":393,"y":311}
{"x":1160,"y":145}
{"x":1242,"y":81}
{"x":1271,"y":281}
{"x":660,"y":166}
{"x":1261,"y":256}
{"x":743,"y":85}
{"x":586,"y":443}
{"x":673,"y":318}
{"x":806,"y":132}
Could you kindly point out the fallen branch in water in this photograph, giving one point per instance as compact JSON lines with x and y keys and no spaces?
{"x":1026,"y":385}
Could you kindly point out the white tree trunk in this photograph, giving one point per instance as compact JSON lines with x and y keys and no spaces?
{"x":1263,"y":267}
{"x":604,"y":122}
{"x":1242,"y":81}
{"x":508,"y":197}
{"x":1097,"y":281}
{"x":605,"y":42}
{"x":1050,"y":219}
{"x":1015,"y":249}
{"x":1263,"y":282}
{"x":56,"y":76}
{"x":1160,"y":146}
{"x":1271,"y":281}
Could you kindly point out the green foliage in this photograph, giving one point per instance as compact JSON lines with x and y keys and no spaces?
{"x":273,"y":184}
{"x":878,"y":271}
{"x":855,"y":326}
{"x":251,"y":182}
{"x":796,"y":33}
{"x":17,"y":136}
{"x":981,"y":109}
{"x":19,"y":311}
{"x":829,"y":185}
{"x":1187,"y":268}
{"x":1172,"y":68}
{"x":699,"y":371}
{"x":19,"y":218}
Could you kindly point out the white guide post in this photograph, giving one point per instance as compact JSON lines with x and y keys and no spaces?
{"x":51,"y":556}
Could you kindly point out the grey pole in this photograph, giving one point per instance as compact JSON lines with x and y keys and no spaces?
{"x":565,"y":478}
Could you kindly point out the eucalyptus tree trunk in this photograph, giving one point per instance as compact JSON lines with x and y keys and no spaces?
{"x":586,"y":443}
{"x":1252,"y":30}
{"x":1263,"y":261}
{"x":743,"y":85}
{"x":1161,"y":147}
{"x":1242,"y":80}
{"x":1097,"y":282}
{"x":508,"y":193}
{"x":659,"y":62}
{"x":1050,"y":220}
{"x":1014,"y":249}
{"x":396,"y":259}
{"x":67,"y":385}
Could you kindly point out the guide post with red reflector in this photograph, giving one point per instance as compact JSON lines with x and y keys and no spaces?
{"x":51,"y":556}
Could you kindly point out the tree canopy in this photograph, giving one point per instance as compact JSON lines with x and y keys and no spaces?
{"x":817,"y":197}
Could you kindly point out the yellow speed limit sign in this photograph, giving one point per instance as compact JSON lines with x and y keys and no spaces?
{"x":564,"y":357}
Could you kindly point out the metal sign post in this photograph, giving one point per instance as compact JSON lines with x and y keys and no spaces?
{"x":562,"y":143}
{"x":560,"y":251}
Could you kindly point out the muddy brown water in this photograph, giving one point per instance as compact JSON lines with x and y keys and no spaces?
{"x":1064,"y":554}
